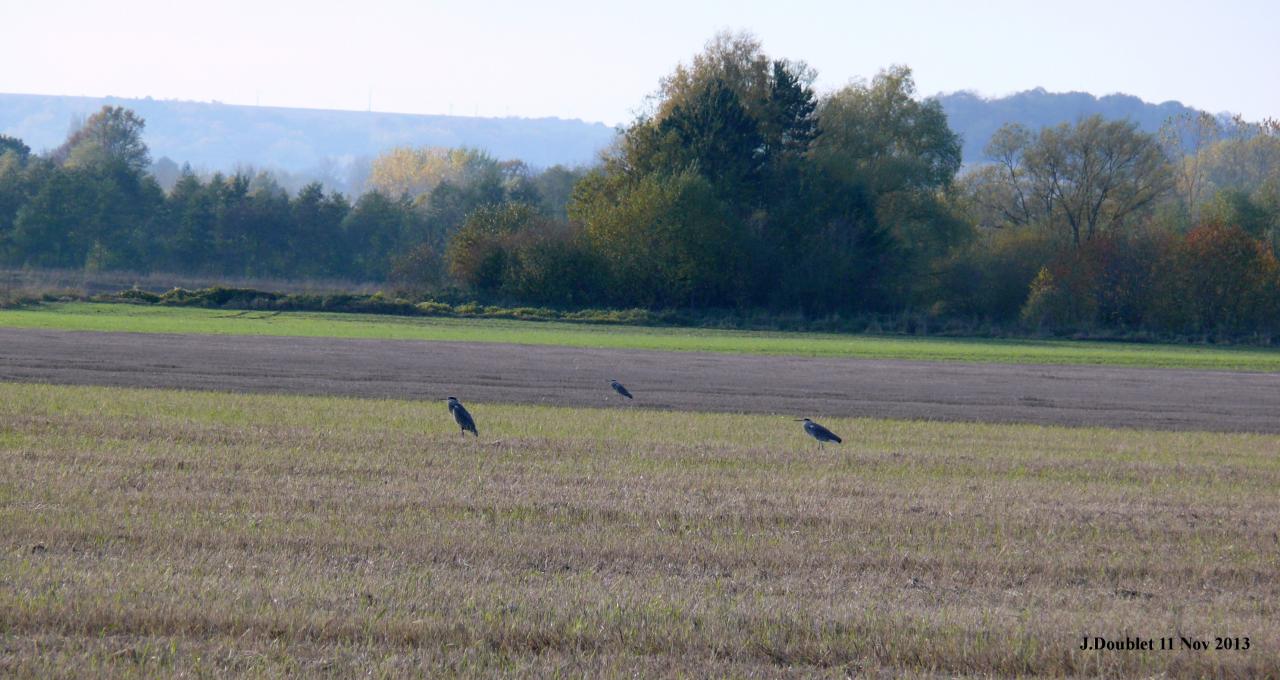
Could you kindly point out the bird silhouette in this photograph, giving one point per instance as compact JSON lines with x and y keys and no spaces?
{"x":819,"y":432}
{"x":462,"y":417}
{"x":617,"y":387}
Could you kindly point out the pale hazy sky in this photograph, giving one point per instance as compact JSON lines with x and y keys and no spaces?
{"x":597,"y":60}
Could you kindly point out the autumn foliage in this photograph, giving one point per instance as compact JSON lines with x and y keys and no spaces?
{"x":1215,"y":280}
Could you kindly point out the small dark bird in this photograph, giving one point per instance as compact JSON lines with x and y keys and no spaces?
{"x":617,"y":387}
{"x":819,"y":432}
{"x":461,"y":417}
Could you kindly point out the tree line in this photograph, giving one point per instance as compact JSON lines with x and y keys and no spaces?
{"x":92,"y":203}
{"x":738,"y":187}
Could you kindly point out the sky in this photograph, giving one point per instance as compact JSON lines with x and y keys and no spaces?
{"x":597,"y":61}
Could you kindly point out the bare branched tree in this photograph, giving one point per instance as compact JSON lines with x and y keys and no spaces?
{"x":1085,"y":178}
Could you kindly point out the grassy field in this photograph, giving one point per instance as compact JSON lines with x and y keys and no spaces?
{"x":149,"y":319}
{"x":161,"y":532}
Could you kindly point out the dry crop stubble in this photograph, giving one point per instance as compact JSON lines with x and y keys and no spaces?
{"x":149,"y":531}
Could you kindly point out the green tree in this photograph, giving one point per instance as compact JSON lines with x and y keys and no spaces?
{"x":737,"y":60}
{"x":668,"y":240}
{"x":92,"y":217}
{"x":1249,"y":211}
{"x":482,"y":254}
{"x":515,"y":251}
{"x":558,"y":266}
{"x":187,"y":226}
{"x":92,"y":207}
{"x":879,"y":141}
{"x":416,"y":272}
{"x":881,"y":136}
{"x":712,"y":133}
{"x":377,"y":229}
{"x":315,"y":245}
{"x":49,"y":228}
{"x":270,"y":227}
{"x":231,"y":238}
{"x":1242,"y":181}
{"x":15,"y":146}
{"x":990,"y":277}
{"x":17,"y":181}
{"x":554,"y":187}
{"x":445,"y":212}
{"x":733,"y":111}
{"x":790,"y":124}
{"x":112,"y":135}
{"x":836,"y":254}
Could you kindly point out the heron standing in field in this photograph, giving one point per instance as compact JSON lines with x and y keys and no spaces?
{"x":461,"y":417}
{"x":617,"y":387}
{"x":819,"y":432}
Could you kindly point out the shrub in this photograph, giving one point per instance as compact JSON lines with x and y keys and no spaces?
{"x":991,"y":278}
{"x":433,"y":308}
{"x":418,"y":271}
{"x":1227,"y":279}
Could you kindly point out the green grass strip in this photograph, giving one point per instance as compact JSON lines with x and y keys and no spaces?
{"x":78,"y":316}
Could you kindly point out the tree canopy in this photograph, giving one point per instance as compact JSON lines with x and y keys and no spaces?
{"x":112,"y":135}
{"x":1085,"y":178}
{"x":739,"y":187}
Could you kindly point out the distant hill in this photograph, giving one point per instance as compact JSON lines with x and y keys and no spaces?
{"x":312,"y":142}
{"x":976,"y":118}
{"x":221,"y":136}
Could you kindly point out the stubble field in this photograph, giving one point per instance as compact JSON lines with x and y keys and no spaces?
{"x":160,"y":532}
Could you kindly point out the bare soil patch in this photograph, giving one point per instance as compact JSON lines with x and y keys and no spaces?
{"x":1163,"y":399}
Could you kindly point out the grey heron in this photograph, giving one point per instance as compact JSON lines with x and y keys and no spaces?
{"x":461,"y":417}
{"x":819,"y":432}
{"x":617,"y":387}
